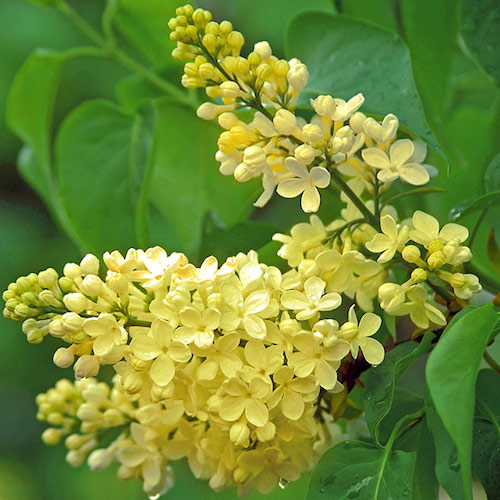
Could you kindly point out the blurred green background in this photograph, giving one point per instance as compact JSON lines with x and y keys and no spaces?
{"x":454,"y":69}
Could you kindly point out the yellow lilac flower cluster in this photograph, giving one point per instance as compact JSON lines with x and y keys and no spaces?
{"x":294,"y":156}
{"x":224,"y":365}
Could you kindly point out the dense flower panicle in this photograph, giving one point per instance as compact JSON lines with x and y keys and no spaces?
{"x":236,"y":353}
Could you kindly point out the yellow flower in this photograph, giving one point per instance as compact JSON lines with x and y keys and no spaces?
{"x":312,"y":300}
{"x":358,"y":335}
{"x":389,"y":241}
{"x":197,"y":327}
{"x":305,"y":182}
{"x":292,"y":393}
{"x":398,"y":164}
{"x":222,"y":355}
{"x":107,"y":333}
{"x":426,"y":230}
{"x":246,"y":398}
{"x":320,"y":361}
{"x":421,"y":312}
{"x":159,"y":346}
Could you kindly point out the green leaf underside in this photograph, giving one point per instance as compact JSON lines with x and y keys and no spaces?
{"x":353,"y":469}
{"x":451,"y":375}
{"x":381,"y":381}
{"x":486,"y":456}
{"x":93,"y":151}
{"x":346,"y":56}
{"x":186,"y":183}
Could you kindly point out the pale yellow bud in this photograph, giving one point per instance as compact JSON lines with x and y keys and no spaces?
{"x":298,"y":76}
{"x":263,"y":71}
{"x":86,"y":366}
{"x":457,"y":280}
{"x":228,"y":120}
{"x":281,"y":68}
{"x":113,"y":417}
{"x":254,"y":157}
{"x":87,"y":411}
{"x":436,"y":259}
{"x":66,"y":284}
{"x":99,"y":459}
{"x":304,"y":154}
{"x":324,"y":105}
{"x":357,"y":121}
{"x":47,"y":298}
{"x":312,"y":133}
{"x":74,"y":441}
{"x":285,"y":122}
{"x":210,"y":43}
{"x":435,"y":246}
{"x":254,"y":59}
{"x":226,"y":27}
{"x":75,"y":458}
{"x":48,"y":278}
{"x":235,"y":39}
{"x":76,"y":302}
{"x":263,"y":49}
{"x":411,"y":253}
{"x":419,"y":275}
{"x":51,"y":436}
{"x":212,"y":28}
{"x":132,"y":383}
{"x":92,"y":285}
{"x":63,"y":357}
{"x":229,"y":90}
{"x":89,"y":264}
{"x":348,"y":331}
{"x":72,"y":271}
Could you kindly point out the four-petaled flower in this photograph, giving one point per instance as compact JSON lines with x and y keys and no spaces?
{"x":305,"y":182}
{"x":398,"y":164}
{"x":389,"y":241}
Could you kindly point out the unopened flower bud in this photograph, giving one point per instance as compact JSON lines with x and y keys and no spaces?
{"x":86,"y":366}
{"x":72,"y":271}
{"x":435,"y":246}
{"x":51,"y":436}
{"x":457,"y":280}
{"x":99,"y":459}
{"x":90,"y":264}
{"x":92,"y":285}
{"x":419,"y":275}
{"x":411,"y":253}
{"x":436,"y":259}
{"x":48,"y":278}
{"x":66,"y":284}
{"x":63,"y":357}
{"x":285,"y":122}
{"x":312,"y":133}
{"x":324,"y":105}
{"x":357,"y":121}
{"x":76,"y":302}
{"x":304,"y":154}
{"x":263,"y":49}
{"x":229,"y":90}
{"x":75,"y":458}
{"x":88,"y":412}
{"x":298,"y":76}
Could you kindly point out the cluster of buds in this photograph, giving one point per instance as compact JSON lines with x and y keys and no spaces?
{"x":294,"y":156}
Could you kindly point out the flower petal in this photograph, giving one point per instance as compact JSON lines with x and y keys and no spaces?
{"x":401,"y":151}
{"x":376,"y":158}
{"x":162,"y":370}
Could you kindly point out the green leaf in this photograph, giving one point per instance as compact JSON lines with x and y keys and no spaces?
{"x":488,"y":386}
{"x":31,"y":100}
{"x":486,"y":455}
{"x":447,"y":464}
{"x":145,"y":26}
{"x":451,"y":375}
{"x":223,"y":241}
{"x":353,"y":469}
{"x":93,"y":158}
{"x":186,"y":183}
{"x":427,"y":25}
{"x":419,"y":439}
{"x":469,"y":206}
{"x":381,"y":381}
{"x":346,"y":56}
{"x":480,"y":22}
{"x":380,"y":12}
